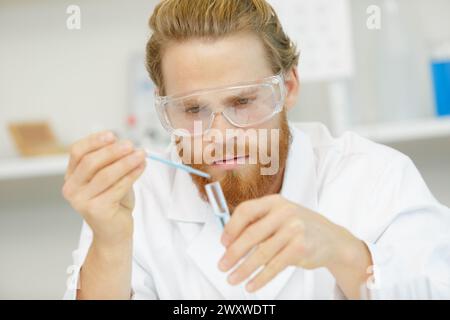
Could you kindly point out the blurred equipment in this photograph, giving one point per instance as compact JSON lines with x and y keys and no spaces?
{"x":142,"y":123}
{"x":398,"y":85}
{"x":440,"y":66}
{"x":34,"y":138}
{"x":321,"y":29}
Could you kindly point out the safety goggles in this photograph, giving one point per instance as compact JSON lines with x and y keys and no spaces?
{"x":243,"y":105}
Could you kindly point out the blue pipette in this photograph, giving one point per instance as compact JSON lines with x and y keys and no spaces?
{"x":178,"y":165}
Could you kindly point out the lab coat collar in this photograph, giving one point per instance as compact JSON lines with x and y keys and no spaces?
{"x":299,"y":186}
{"x":185,"y":203}
{"x":300,"y":177}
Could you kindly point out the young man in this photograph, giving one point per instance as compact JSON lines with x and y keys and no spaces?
{"x":311,"y":216}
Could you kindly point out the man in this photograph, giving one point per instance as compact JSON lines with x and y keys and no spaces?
{"x":311,"y":216}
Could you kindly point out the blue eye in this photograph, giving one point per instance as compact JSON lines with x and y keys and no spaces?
{"x":194,"y":109}
{"x":242,"y":102}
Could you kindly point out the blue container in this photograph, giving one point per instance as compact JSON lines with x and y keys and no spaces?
{"x":441,"y":79}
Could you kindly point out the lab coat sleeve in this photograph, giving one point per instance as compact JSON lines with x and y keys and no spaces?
{"x":78,"y":257}
{"x":410,"y":248}
{"x":142,"y":282}
{"x":143,"y":286}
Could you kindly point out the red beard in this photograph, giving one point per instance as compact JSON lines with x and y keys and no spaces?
{"x":239,"y":186}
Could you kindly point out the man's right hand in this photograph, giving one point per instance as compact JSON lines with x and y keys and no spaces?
{"x":98,"y":185}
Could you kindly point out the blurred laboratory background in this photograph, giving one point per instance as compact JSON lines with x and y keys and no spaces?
{"x":377,"y":67}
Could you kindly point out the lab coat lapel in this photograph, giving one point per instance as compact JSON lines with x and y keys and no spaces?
{"x":206,"y":251}
{"x":299,"y":186}
{"x":185,"y":204}
{"x":204,"y":248}
{"x":300,"y":178}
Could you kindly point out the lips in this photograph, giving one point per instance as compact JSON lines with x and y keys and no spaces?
{"x":230,"y":160}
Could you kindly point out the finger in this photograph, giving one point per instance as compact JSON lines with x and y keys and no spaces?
{"x":120,"y":189}
{"x":263,"y":254}
{"x":110,"y":175}
{"x":245,"y":214}
{"x":273,"y":268}
{"x":251,"y":236}
{"x":86,"y":145}
{"x":93,"y":162}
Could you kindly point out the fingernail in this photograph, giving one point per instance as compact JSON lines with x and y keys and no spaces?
{"x":107,"y":137}
{"x":250,"y":287}
{"x":225,"y":239}
{"x":223,"y":264}
{"x":142,"y":166}
{"x":233,"y":278}
{"x":125,"y":146}
{"x":138,"y":156}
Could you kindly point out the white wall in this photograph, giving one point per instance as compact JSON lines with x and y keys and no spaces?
{"x":77,"y":79}
{"x":38,"y":232}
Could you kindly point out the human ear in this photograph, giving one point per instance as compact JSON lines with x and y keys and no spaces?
{"x":292,"y":85}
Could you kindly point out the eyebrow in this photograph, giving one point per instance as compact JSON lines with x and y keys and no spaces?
{"x":243,"y":92}
{"x":193,"y":100}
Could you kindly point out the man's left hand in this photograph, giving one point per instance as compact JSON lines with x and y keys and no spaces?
{"x":284,"y":234}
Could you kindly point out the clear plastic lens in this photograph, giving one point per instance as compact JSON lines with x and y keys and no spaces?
{"x":217,"y":201}
{"x":253,"y":107}
{"x":243,"y":106}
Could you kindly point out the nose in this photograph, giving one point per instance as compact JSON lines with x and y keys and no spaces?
{"x":220,"y":122}
{"x":219,"y":135}
{"x":219,"y":126}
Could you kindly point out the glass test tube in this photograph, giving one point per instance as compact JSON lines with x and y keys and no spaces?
{"x":218,"y":203}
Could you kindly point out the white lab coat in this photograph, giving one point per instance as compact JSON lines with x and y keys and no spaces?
{"x":373,"y":191}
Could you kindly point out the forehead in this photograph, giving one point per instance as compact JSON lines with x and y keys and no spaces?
{"x":199,"y":63}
